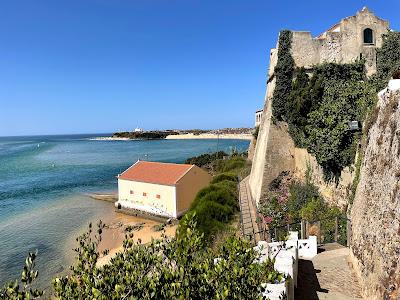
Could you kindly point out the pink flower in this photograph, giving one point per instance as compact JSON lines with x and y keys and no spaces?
{"x":268,"y":219}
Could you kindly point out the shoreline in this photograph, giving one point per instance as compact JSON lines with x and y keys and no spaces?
{"x":205,"y":136}
{"x":187,"y":136}
{"x":114,"y":234}
{"x":116,"y":223}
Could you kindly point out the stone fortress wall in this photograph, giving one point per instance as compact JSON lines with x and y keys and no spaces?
{"x":375,"y":245}
{"x":344,"y":42}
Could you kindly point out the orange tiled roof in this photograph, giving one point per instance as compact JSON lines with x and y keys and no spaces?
{"x":155,"y":172}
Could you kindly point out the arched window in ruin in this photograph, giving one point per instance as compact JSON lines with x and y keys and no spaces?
{"x":368,"y":36}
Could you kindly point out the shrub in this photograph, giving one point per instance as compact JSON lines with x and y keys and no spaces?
{"x":215,"y":206}
{"x":180,"y":268}
{"x":396,"y":74}
{"x":225,"y":176}
{"x":23,"y":290}
{"x":205,"y":159}
{"x":233,"y":164}
{"x":299,"y":195}
{"x":317,"y":209}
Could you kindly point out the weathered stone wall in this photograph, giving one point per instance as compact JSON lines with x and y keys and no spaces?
{"x":334,"y":193}
{"x":279,"y":154}
{"x":375,"y":215}
{"x":305,"y":49}
{"x":342,"y":44}
{"x":258,"y":165}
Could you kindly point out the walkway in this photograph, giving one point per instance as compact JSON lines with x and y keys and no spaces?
{"x":247,"y":210}
{"x":327,"y":276}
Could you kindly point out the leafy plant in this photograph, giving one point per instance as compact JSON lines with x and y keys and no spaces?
{"x":16,"y":290}
{"x":388,"y":59}
{"x":177,"y":268}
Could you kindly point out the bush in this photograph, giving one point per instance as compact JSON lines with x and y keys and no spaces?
{"x":23,"y":290}
{"x":299,"y":195}
{"x":225,"y":176}
{"x":317,"y":209}
{"x":233,"y":164}
{"x":180,"y":268}
{"x":205,"y":159}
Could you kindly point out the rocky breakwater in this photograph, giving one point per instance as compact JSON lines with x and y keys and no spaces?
{"x":375,"y":215}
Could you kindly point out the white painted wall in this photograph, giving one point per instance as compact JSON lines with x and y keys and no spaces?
{"x":165,"y":206}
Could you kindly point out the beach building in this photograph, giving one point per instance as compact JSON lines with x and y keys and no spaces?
{"x":162,"y":189}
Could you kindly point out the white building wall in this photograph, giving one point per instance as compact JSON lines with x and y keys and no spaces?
{"x":143,"y":196}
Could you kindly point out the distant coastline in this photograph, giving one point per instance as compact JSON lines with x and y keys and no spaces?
{"x":228,"y":136}
{"x":226,"y":133}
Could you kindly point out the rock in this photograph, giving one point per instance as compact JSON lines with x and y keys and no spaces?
{"x":375,"y":215}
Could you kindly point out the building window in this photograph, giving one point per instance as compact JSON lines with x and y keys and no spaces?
{"x":368,"y":36}
{"x":131,"y":192}
{"x":158,"y":196}
{"x":144,"y":194}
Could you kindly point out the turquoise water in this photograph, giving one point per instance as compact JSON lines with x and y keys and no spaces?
{"x":43,"y":185}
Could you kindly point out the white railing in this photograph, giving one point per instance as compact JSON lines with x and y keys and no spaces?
{"x":308,"y":248}
{"x":286,"y":255}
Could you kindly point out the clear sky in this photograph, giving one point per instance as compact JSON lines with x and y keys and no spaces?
{"x":91,"y":66}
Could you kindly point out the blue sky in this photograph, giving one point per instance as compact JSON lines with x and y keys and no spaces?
{"x":87,"y":66}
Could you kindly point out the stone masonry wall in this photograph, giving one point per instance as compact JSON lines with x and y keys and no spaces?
{"x":375,"y":215}
{"x":343,"y":43}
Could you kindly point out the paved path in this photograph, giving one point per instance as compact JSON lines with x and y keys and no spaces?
{"x":327,"y":276}
{"x":247,"y":210}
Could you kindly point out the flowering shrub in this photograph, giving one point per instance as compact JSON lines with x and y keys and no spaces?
{"x":273,"y":208}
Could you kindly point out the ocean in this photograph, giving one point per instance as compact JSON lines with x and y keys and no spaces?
{"x":44,"y":187}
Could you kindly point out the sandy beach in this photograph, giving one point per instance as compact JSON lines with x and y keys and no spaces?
{"x":109,"y":138}
{"x":191,"y":136}
{"x":114,"y":233}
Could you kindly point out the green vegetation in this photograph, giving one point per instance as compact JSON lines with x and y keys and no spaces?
{"x":205,"y":159}
{"x":146,"y":135}
{"x":289,"y":201}
{"x":321,"y":108}
{"x":284,"y":74}
{"x":23,"y":289}
{"x":216,"y":205}
{"x":177,"y":268}
{"x":388,"y":59}
{"x":318,"y":107}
